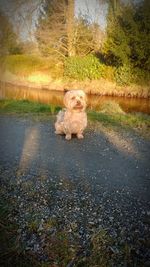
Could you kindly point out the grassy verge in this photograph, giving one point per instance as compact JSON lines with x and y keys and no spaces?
{"x":25,"y":106}
{"x":138,"y":122}
{"x":135,"y":121}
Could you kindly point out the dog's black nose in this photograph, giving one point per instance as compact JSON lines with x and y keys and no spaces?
{"x":78,"y":102}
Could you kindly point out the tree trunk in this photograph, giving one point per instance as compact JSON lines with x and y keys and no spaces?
{"x":115,"y":5}
{"x":70,"y":27}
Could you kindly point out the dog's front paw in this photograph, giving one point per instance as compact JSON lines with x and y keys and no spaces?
{"x":68,"y":137}
{"x":58,"y":132}
{"x":80,"y":136}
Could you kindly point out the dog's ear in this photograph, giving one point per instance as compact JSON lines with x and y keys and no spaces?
{"x":66,"y":90}
{"x":86,"y":98}
{"x":66,"y":98}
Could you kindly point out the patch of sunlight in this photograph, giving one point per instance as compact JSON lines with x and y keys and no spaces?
{"x":30,"y":149}
{"x":39,"y":77}
{"x":122,"y":143}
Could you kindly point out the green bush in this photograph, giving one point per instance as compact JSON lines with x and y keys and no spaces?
{"x":124,"y":75}
{"x":109,"y":73}
{"x":80,"y":68}
{"x":127,"y":74}
{"x":141,"y":76}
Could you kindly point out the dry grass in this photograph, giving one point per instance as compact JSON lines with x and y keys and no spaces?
{"x":111,"y":107}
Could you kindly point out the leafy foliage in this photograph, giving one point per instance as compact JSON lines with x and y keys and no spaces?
{"x":124,"y":74}
{"x":140,"y":39}
{"x":80,"y":68}
{"x":127,"y":74}
{"x":127,"y":45}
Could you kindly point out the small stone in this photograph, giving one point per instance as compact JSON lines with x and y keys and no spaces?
{"x":36,"y":247}
{"x":40,"y":227}
{"x":91,"y":223}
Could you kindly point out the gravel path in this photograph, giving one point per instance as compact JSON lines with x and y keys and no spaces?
{"x":100,"y":182}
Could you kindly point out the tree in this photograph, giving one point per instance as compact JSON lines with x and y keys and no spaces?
{"x":70,"y":27}
{"x":88,"y":37}
{"x":128,"y":36}
{"x":54,"y":26}
{"x":60,"y":32}
{"x":8,"y":39}
{"x":140,"y":46}
{"x":116,"y":48}
{"x":29,"y":47}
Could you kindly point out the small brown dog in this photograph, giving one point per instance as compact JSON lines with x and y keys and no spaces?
{"x":73,"y":119}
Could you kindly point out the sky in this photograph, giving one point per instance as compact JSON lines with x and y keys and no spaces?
{"x":21,"y":16}
{"x":93,"y":8}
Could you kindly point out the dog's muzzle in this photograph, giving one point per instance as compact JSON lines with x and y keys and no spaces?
{"x":78,"y":106}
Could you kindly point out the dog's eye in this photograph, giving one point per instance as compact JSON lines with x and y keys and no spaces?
{"x":73,"y":97}
{"x":81,"y":97}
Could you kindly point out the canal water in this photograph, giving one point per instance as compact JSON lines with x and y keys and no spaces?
{"x":56,"y":98}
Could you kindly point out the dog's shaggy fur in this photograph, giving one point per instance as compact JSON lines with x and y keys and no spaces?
{"x":73,"y":119}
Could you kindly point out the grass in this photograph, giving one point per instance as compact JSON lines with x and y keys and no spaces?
{"x":111,"y":107}
{"x":25,"y":65}
{"x":112,"y":115}
{"x":25,"y":106}
{"x":136,"y":121}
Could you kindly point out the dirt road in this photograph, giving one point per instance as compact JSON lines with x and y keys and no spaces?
{"x":100,"y":182}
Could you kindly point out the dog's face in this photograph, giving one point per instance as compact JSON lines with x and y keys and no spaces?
{"x":75,"y":100}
